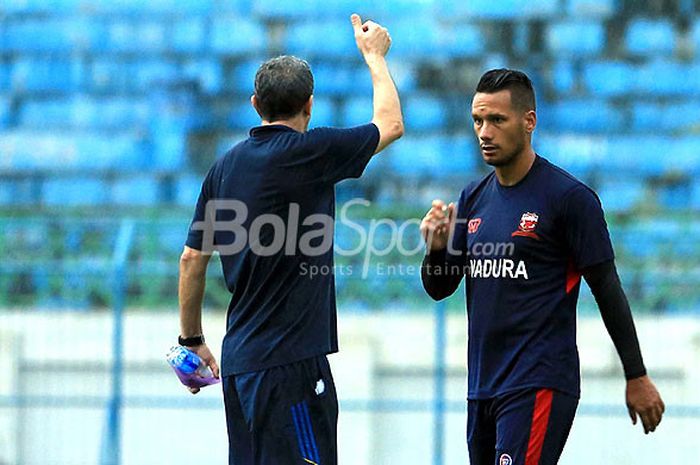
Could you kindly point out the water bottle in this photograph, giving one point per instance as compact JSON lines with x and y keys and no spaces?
{"x":189,"y":367}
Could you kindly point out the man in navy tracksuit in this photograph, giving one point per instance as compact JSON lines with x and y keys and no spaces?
{"x":522,"y":237}
{"x":268,"y":207}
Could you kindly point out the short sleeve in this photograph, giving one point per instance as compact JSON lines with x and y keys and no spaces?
{"x":457,"y":252}
{"x":586,"y":231}
{"x":195,"y":234}
{"x":347,"y":150}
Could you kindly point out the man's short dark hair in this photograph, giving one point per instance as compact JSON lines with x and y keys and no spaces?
{"x":282,"y":86}
{"x":522,"y":94}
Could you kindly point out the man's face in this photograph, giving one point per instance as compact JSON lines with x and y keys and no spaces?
{"x":502,"y":131}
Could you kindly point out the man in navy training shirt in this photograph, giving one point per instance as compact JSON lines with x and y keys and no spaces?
{"x":523,"y":236}
{"x":281,"y":405}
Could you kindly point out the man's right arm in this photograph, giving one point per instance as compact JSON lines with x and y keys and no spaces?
{"x":374,"y":41}
{"x":440,"y":278}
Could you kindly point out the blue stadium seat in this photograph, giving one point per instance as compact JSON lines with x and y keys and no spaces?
{"x":411,"y":41}
{"x":563,"y":77}
{"x":237,"y":36}
{"x":117,"y":76}
{"x":74,"y":192}
{"x":695,"y":34}
{"x":581,"y":116}
{"x":243,"y":116}
{"x":42,"y":75}
{"x":291,"y":8}
{"x":16,"y":193}
{"x":50,"y":35}
{"x":462,"y":40}
{"x":4,"y":111}
{"x":638,"y":154}
{"x":609,"y":78}
{"x":189,"y":35}
{"x":207,"y":72}
{"x":40,"y":6}
{"x":575,"y":38}
{"x":187,"y":189}
{"x":650,"y":37}
{"x":84,"y":113}
{"x":424,"y":113}
{"x":142,"y":37}
{"x":140,"y":190}
{"x":421,"y":157}
{"x":660,"y":78}
{"x":334,"y":80}
{"x":577,"y":153}
{"x":695,"y":200}
{"x":665,"y":117}
{"x":137,"y":8}
{"x":503,"y":9}
{"x":323,"y":113}
{"x":356,"y":111}
{"x":676,"y":196}
{"x":242,"y":76}
{"x":598,"y":8}
{"x":619,"y":196}
{"x":326,"y":39}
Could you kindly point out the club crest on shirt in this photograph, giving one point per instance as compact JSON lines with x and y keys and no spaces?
{"x":473,"y":225}
{"x":505,"y":460}
{"x":527,"y":226}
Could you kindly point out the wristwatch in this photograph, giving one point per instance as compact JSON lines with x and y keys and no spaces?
{"x":191,"y":341}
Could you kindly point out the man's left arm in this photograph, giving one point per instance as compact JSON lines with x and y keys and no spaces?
{"x":642,"y":397}
{"x":193,"y":271}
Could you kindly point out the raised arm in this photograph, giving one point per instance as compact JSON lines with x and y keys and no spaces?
{"x":374,"y":41}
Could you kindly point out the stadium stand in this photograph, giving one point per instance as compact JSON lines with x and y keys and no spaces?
{"x":120,"y":107}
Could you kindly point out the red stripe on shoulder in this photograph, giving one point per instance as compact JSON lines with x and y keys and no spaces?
{"x":573,"y":277}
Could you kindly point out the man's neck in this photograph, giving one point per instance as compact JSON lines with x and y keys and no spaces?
{"x":298,"y":123}
{"x":512,"y":173}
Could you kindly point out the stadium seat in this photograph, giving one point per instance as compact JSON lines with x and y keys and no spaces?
{"x":695,"y":35}
{"x":189,"y":35}
{"x":242,"y":77}
{"x":675,"y":196}
{"x":660,"y":78}
{"x":208,"y":74}
{"x":84,"y":113}
{"x":335,"y":80}
{"x":243,"y":116}
{"x":140,"y":190}
{"x":665,"y":117}
{"x":575,"y":38}
{"x":15,"y":193}
{"x":650,"y":37}
{"x":124,"y":36}
{"x":356,"y":111}
{"x":53,"y":35}
{"x":237,"y":36}
{"x":581,"y":116}
{"x":577,"y":153}
{"x":563,"y":77}
{"x":637,"y":154}
{"x":424,"y":157}
{"x":187,"y":189}
{"x":136,"y":8}
{"x":500,"y":10}
{"x":695,"y":201}
{"x":619,"y":196}
{"x":324,"y":39}
{"x":120,"y":76}
{"x":424,"y":113}
{"x":323,"y":113}
{"x":411,"y":41}
{"x":597,"y":8}
{"x":291,"y":9}
{"x":4,"y":111}
{"x":46,"y":75}
{"x":609,"y":78}
{"x":461,"y":41}
{"x":40,"y":6}
{"x":74,"y":192}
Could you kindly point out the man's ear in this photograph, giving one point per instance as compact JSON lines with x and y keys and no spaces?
{"x":254,"y":102}
{"x":308,"y":105}
{"x":530,"y":121}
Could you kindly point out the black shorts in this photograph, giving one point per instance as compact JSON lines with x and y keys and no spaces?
{"x":526,"y":427}
{"x":286,"y":415}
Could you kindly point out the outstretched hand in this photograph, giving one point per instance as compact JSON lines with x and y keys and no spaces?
{"x":644,"y":400}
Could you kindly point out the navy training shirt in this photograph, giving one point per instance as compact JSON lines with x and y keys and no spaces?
{"x":282,"y":183}
{"x":524,"y":246}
